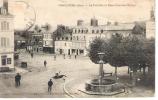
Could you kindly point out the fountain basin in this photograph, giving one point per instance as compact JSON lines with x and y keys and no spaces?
{"x":107,"y":86}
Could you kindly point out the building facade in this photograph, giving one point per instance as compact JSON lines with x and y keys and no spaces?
{"x":150,"y":26}
{"x":48,"y":42}
{"x":6,"y":38}
{"x":63,"y":45}
{"x":36,"y":42}
{"x":83,"y":35}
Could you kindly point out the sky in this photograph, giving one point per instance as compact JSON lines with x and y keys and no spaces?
{"x":57,"y":12}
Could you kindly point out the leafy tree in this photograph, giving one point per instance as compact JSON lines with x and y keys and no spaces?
{"x":135,"y":55}
{"x":139,"y":28}
{"x":62,"y":31}
{"x":150,"y":56}
{"x":37,"y":28}
{"x":116,"y":52}
{"x":97,"y":46}
{"x":126,"y":51}
{"x":47,"y":27}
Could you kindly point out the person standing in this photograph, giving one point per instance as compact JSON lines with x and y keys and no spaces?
{"x":64,"y":56}
{"x":17,"y":80}
{"x":45,"y":63}
{"x":69,"y":56}
{"x":75,"y":56}
{"x":32,"y":55}
{"x":50,"y":83}
{"x":54,"y":57}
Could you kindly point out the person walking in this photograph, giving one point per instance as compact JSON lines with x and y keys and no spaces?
{"x":50,"y":83}
{"x":54,"y":57}
{"x":45,"y":63}
{"x":69,"y":56}
{"x":64,"y":56}
{"x":17,"y":80}
{"x":75,"y":56}
{"x":32,"y":55}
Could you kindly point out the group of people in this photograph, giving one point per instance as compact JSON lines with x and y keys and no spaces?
{"x":64,"y":56}
{"x":18,"y":79}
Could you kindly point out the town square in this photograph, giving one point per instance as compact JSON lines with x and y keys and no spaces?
{"x":45,"y":54}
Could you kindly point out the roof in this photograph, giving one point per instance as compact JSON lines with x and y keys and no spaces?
{"x":120,"y":26}
{"x":7,"y":15}
{"x":19,"y":38}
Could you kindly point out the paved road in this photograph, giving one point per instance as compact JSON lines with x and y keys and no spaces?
{"x":34,"y":84}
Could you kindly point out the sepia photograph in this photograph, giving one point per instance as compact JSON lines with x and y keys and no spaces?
{"x":77,"y":48}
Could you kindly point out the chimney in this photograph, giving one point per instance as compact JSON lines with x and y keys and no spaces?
{"x":94,"y":22}
{"x":5,"y":5}
{"x":80,"y":22}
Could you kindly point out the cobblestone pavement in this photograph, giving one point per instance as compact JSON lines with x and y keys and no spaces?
{"x":34,"y":83}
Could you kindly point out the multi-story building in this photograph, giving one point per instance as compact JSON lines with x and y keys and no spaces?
{"x":36,"y":41}
{"x":150,"y":26}
{"x":48,"y":42}
{"x":83,"y":35}
{"x":63,"y":45}
{"x":6,"y":38}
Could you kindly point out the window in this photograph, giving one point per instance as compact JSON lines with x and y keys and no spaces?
{"x":4,"y":42}
{"x":4,"y":60}
{"x":65,"y":44}
{"x":101,"y":31}
{"x":92,"y":31}
{"x":7,"y":26}
{"x":78,"y":31}
{"x":4,"y":25}
{"x":86,"y":31}
{"x":82,"y":31}
{"x":97,"y":31}
{"x":84,"y":38}
{"x":75,"y":30}
{"x":74,"y":38}
{"x":8,"y":60}
{"x":77,"y":37}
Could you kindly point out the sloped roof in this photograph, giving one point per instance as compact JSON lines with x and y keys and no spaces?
{"x":19,"y":38}
{"x":120,"y":26}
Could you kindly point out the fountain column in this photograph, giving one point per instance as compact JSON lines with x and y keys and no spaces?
{"x":101,"y":62}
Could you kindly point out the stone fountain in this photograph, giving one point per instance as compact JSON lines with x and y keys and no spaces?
{"x":103,"y":85}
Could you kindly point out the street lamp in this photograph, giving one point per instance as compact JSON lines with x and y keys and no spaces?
{"x":101,"y":62}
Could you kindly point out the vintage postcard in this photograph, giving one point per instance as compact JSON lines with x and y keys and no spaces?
{"x":77,"y":48}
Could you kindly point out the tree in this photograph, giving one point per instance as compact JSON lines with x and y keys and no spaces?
{"x":47,"y":27}
{"x":37,"y":28}
{"x":113,"y":49}
{"x":139,"y":28}
{"x":97,"y":46}
{"x":150,"y":56}
{"x":116,"y":52}
{"x":62,"y":31}
{"x":135,"y":55}
{"x":128,"y":51}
